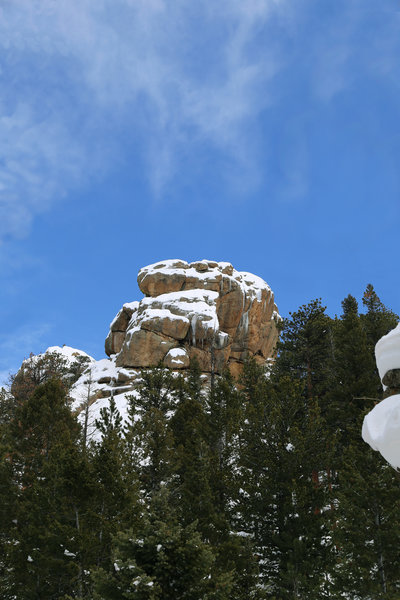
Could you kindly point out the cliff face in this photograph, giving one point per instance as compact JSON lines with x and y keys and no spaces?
{"x":205,"y":309}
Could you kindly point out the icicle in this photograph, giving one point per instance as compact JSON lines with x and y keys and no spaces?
{"x":193,"y":326}
{"x":246,"y":322}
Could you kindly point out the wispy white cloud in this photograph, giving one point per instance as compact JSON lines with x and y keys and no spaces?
{"x":75,"y":74}
{"x":170,"y":76}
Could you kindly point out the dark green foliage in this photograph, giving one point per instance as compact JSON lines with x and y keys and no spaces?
{"x":284,"y":451}
{"x":305,"y":349}
{"x":35,"y":371}
{"x":367,"y":531}
{"x":192,"y":457}
{"x":378,"y":320}
{"x":115,"y":490}
{"x":367,"y":523}
{"x":42,"y":548}
{"x":261,"y":489}
{"x":77,"y":368}
{"x":148,"y":436}
{"x":162,"y":560}
{"x":223,"y":420}
{"x":355,"y":374}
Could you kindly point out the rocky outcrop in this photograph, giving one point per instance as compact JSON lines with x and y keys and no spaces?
{"x":204,"y":309}
{"x":118,"y":328}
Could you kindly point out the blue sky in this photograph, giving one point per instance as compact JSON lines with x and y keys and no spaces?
{"x":261,"y":132}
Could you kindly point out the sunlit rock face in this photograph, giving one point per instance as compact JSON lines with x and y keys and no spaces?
{"x":381,"y":427}
{"x":204,"y":309}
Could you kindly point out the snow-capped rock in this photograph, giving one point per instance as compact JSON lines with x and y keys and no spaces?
{"x":68,"y":354}
{"x":205,"y":309}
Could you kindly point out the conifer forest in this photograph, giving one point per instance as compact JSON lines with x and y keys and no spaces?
{"x":260,"y":488}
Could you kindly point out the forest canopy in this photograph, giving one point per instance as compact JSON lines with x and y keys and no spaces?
{"x":259,"y":488}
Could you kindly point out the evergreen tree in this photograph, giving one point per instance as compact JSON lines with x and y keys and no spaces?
{"x":115,"y":488}
{"x":378,"y":320}
{"x":162,"y":560}
{"x":234,"y":552}
{"x":355,"y":380}
{"x":305,"y":348}
{"x":41,"y":557}
{"x":35,"y":371}
{"x":224,"y":413}
{"x":191,"y":485}
{"x":149,"y":439}
{"x":284,"y":489}
{"x":366,"y":529}
{"x":199,"y":486}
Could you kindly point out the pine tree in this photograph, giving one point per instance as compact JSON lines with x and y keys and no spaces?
{"x":355,"y":378}
{"x":42,"y":549}
{"x":378,"y":320}
{"x":148,"y":436}
{"x":305,"y":349}
{"x":366,"y":530}
{"x":224,"y":413}
{"x":191,"y":485}
{"x":115,"y":487}
{"x":8,"y":489}
{"x":234,"y":551}
{"x":284,"y":489}
{"x":162,"y":560}
{"x":37,"y":370}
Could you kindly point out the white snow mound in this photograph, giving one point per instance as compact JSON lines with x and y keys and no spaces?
{"x":387,"y":352}
{"x":381,"y":429}
{"x":70,"y":354}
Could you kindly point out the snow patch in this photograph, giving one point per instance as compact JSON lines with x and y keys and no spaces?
{"x":177,"y":352}
{"x":387,"y":352}
{"x":381,"y":429}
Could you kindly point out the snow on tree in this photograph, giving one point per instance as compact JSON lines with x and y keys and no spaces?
{"x":381,"y":427}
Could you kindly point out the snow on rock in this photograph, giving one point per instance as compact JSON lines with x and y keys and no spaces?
{"x":206,"y":309}
{"x":94,"y":388}
{"x":62,"y":361}
{"x":91,"y":382}
{"x":66,"y":353}
{"x":118,"y":327}
{"x":177,"y":358}
{"x":70,"y":354}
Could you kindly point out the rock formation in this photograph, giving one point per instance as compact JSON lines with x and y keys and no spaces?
{"x":204,"y":310}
